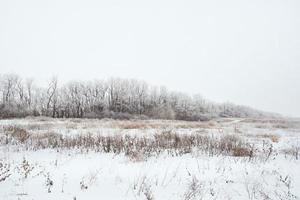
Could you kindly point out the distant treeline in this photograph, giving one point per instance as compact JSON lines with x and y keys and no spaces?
{"x":114,"y":98}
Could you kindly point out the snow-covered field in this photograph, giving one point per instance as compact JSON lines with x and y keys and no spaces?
{"x":264,"y":165}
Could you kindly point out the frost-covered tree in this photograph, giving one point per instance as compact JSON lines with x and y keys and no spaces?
{"x":116,"y":98}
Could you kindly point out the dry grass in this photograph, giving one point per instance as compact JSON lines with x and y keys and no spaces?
{"x":72,"y":125}
{"x":243,"y":152}
{"x":274,"y":138}
{"x":132,"y":125}
{"x":43,"y":125}
{"x":136,"y":148}
{"x":154,"y":124}
{"x":16,"y":133}
{"x":279,"y":123}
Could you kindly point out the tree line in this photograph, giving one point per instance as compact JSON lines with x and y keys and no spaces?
{"x":113,"y":98}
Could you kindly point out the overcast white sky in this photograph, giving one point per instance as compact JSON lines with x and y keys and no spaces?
{"x":242,"y":51}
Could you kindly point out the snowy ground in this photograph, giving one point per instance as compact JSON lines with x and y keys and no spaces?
{"x":55,"y":173}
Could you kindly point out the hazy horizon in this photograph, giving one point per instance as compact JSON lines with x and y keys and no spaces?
{"x":244,"y":52}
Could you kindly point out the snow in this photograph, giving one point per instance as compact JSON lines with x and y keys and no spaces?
{"x":77,"y":174}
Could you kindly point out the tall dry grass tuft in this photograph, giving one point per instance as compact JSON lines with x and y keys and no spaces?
{"x":16,"y":133}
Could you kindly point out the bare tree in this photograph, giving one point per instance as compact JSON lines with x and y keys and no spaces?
{"x":9,"y":84}
{"x":51,"y":95}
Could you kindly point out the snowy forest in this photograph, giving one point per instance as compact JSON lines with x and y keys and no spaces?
{"x":112,"y":98}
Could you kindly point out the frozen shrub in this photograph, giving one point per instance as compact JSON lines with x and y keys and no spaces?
{"x":194,"y":190}
{"x":49,"y":183}
{"x":163,"y":112}
{"x":4,"y":171}
{"x":267,"y":150}
{"x":13,"y":111}
{"x":292,"y":151}
{"x":143,"y":187}
{"x":25,"y":168}
{"x":83,"y":186}
{"x":148,"y":193}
